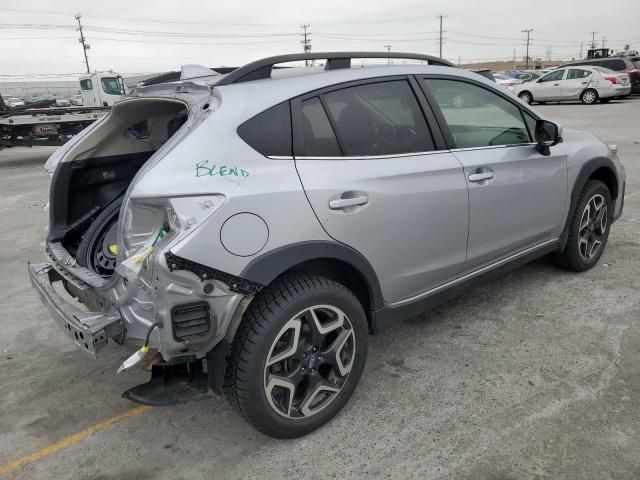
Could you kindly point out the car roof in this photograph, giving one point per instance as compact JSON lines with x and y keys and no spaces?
{"x":585,"y":61}
{"x":257,"y":95}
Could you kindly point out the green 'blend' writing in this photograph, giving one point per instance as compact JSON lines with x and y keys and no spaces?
{"x":205,"y":170}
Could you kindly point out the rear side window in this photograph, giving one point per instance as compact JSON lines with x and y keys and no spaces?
{"x":86,"y":84}
{"x":378,"y":119}
{"x":269,"y":132}
{"x":617,"y":65}
{"x":575,"y":73}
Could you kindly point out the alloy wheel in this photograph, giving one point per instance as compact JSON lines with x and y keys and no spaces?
{"x":309,"y":361}
{"x":589,"y":97}
{"x":593,"y":227}
{"x":526,"y":98}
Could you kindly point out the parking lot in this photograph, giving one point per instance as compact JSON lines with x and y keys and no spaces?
{"x":532,"y":376}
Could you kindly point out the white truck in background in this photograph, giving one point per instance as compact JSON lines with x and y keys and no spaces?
{"x":43,"y":123}
{"x":101,"y":89}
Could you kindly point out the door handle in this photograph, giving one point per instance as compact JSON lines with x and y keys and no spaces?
{"x":584,"y":83}
{"x":478,"y":177}
{"x":340,"y":203}
{"x":556,"y":84}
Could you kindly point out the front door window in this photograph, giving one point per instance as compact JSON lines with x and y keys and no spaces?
{"x":476,"y":116}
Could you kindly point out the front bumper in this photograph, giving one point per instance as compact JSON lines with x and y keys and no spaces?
{"x":89,"y":331}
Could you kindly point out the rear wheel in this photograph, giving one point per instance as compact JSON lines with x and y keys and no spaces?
{"x":588,"y":230}
{"x":589,"y":96}
{"x":298,"y":355}
{"x":526,"y":97}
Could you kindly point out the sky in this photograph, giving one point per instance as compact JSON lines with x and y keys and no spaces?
{"x":39,"y":39}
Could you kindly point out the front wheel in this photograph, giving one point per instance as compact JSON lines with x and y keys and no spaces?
{"x":588,"y":228}
{"x":298,"y":355}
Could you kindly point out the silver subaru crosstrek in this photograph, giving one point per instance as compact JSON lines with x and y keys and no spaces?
{"x":248,"y":231}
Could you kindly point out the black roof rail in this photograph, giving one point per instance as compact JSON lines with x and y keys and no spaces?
{"x":335,"y":60}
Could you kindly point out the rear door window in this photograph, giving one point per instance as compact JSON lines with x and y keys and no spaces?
{"x":476,"y":116}
{"x":319,"y":139}
{"x":86,"y":84}
{"x":576,"y":73}
{"x":269,"y":132}
{"x":378,"y":119}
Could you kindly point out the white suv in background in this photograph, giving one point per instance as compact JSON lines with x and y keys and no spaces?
{"x":587,"y":84}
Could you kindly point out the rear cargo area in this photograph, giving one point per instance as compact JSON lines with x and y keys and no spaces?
{"x":89,"y":184}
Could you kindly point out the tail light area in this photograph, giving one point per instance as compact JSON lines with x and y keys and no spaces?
{"x":612,"y":79}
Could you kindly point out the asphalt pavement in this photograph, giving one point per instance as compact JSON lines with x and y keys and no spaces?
{"x":533,"y":376}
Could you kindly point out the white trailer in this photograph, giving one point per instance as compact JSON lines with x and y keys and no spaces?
{"x":40,"y":124}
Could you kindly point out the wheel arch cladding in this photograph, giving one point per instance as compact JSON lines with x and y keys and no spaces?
{"x":601,"y":169}
{"x":336,"y":261}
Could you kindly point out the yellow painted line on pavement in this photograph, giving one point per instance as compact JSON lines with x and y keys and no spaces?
{"x":18,"y":463}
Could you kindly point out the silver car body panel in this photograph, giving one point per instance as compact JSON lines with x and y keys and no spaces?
{"x":424,"y":228}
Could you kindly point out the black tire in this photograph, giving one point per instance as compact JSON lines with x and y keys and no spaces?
{"x":571,"y":257}
{"x":526,"y":97}
{"x":262,"y":326}
{"x":589,"y":96}
{"x":91,"y":244}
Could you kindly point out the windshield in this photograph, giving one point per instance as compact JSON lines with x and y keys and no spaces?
{"x":111,"y":86}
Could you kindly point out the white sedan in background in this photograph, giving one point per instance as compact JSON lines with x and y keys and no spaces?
{"x":506,"y":81}
{"x":584,"y":83}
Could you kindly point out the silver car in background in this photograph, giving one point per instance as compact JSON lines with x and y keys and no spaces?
{"x":248,"y":234}
{"x":584,"y":83}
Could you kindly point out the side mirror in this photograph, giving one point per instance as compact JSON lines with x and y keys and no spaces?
{"x":547,"y":135}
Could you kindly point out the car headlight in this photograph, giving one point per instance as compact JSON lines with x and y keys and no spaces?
{"x":145,"y":218}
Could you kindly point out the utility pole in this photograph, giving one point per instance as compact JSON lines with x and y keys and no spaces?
{"x":440,"y":41}
{"x":604,"y":41}
{"x":514,"y":59}
{"x":526,"y":60}
{"x":85,"y":45}
{"x":580,"y":56}
{"x":593,"y":39}
{"x":306,"y":43}
{"x":388,"y":47}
